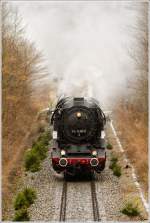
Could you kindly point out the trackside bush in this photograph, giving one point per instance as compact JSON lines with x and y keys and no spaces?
{"x":40,"y":149}
{"x":113,"y":162}
{"x":131,"y":209}
{"x":21,"y":201}
{"x":24,"y":198}
{"x":37,"y":153}
{"x":30,"y":195}
{"x":45,"y":138}
{"x":109,"y":146}
{"x":117,"y":170}
{"x":21,"y":215}
{"x":114,"y":159}
{"x":32,"y":161}
{"x":114,"y":166}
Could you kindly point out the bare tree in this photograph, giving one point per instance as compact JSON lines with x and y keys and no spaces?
{"x":139,"y":54}
{"x":22,"y":64}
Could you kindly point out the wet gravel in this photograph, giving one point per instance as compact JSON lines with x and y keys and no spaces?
{"x":111,"y":193}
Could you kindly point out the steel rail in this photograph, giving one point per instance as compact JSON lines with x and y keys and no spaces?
{"x":96,"y":216}
{"x":62,"y":216}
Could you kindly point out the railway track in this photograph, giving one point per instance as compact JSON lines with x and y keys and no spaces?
{"x":62,"y":216}
{"x":96,"y":216}
{"x":95,"y":208}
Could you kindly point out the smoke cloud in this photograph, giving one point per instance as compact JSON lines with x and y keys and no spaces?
{"x":85,"y":44}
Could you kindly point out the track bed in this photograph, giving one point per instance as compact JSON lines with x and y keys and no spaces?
{"x":84,"y":200}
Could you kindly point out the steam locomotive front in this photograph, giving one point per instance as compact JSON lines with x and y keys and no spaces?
{"x":78,"y":124}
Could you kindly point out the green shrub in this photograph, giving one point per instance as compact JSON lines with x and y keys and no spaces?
{"x":40,"y":150}
{"x":113,"y":162}
{"x":24,"y":199}
{"x":40,"y":146}
{"x":21,"y":215}
{"x":30,"y":195}
{"x":130,"y":209}
{"x":114,"y":159}
{"x":109,"y":146}
{"x":117,"y":170}
{"x":45,"y":138}
{"x":112,"y":165}
{"x":20,"y":201}
{"x":32,"y":161}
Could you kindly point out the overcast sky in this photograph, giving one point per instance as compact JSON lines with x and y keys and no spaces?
{"x":84,"y":42}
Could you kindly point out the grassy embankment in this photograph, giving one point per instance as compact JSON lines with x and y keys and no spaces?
{"x":134,"y":137}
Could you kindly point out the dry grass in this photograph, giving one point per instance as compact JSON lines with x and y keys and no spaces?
{"x":134,"y":136}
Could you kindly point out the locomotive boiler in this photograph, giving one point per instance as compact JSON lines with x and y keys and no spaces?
{"x":78,"y":136}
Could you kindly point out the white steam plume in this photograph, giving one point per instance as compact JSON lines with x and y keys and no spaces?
{"x":85,"y":44}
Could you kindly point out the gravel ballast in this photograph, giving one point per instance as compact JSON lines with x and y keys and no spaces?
{"x":112,"y":192}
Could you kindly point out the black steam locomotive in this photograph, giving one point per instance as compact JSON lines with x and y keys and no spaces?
{"x":78,"y":136}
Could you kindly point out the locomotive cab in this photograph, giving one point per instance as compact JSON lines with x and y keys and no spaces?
{"x":78,"y":136}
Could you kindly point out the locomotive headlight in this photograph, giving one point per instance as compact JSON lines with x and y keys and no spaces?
{"x":79,"y":114}
{"x":63,"y":152}
{"x":94,"y":153}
